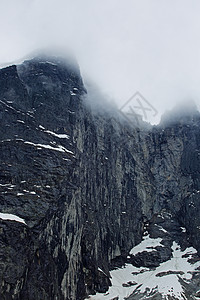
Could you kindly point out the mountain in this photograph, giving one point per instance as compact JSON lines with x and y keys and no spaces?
{"x":92,"y":205}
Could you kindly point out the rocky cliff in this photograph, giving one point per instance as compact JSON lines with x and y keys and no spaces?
{"x":81,"y":189}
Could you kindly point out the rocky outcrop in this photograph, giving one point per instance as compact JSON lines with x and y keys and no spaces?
{"x":86,"y":183}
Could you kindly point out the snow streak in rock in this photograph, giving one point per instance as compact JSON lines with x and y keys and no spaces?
{"x":11,"y":217}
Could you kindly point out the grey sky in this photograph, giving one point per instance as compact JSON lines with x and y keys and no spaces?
{"x":151,"y":46}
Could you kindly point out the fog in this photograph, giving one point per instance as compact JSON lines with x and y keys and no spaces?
{"x":149,"y":46}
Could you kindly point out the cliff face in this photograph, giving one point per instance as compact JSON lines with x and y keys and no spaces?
{"x":88,"y":186}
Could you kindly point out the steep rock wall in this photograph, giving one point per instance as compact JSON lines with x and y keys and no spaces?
{"x":84,"y":181}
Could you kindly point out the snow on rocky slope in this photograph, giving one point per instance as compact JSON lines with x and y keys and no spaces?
{"x":168,"y":280}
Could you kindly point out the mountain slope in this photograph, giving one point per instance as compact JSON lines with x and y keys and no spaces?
{"x":87,"y":185}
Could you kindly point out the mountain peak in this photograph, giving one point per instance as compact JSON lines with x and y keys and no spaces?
{"x":183,"y":112}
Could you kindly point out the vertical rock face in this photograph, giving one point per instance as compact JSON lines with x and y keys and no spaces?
{"x":85,"y":183}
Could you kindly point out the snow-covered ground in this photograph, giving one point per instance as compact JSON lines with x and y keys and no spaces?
{"x":163,"y":279}
{"x":148,"y":244}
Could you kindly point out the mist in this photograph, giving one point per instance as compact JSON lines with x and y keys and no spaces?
{"x":146,"y":46}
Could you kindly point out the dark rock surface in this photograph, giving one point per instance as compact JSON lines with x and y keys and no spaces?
{"x":86,"y":183}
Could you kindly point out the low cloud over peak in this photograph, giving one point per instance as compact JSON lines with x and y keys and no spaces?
{"x":148,"y":46}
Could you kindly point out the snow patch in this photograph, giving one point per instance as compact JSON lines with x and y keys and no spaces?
{"x":58,"y":148}
{"x":148,"y":244}
{"x":99,"y":269}
{"x":7,"y":184}
{"x":164,"y":279}
{"x":11,"y":217}
{"x":48,"y":62}
{"x":161,"y":228}
{"x":60,"y":136}
{"x":20,"y":194}
{"x":183,"y":229}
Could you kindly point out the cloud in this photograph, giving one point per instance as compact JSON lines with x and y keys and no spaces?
{"x":150,"y":46}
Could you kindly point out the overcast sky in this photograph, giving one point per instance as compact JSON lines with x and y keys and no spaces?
{"x":150,"y":46}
